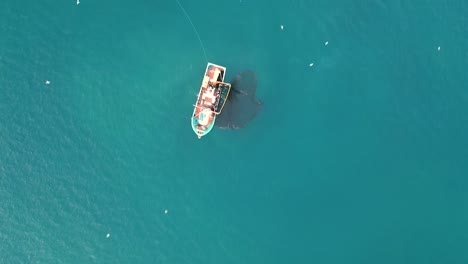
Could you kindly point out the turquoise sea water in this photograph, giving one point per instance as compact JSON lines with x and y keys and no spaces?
{"x":361,"y":158}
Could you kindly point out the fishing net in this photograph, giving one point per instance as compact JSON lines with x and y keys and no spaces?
{"x":242,"y":105}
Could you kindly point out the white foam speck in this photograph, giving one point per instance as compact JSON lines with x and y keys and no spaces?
{"x":108,"y":235}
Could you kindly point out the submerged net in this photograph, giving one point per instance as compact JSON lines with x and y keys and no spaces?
{"x":242,"y":105}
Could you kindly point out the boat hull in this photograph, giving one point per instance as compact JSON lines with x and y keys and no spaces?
{"x":208,"y":99}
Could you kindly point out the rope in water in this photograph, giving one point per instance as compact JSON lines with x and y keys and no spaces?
{"x":194,"y":28}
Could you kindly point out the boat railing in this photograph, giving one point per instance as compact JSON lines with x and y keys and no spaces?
{"x":219,"y":95}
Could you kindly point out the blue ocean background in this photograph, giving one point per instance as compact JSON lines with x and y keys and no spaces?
{"x":361,"y":158}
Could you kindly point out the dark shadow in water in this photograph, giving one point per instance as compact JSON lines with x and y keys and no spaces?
{"x":242,"y":105}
